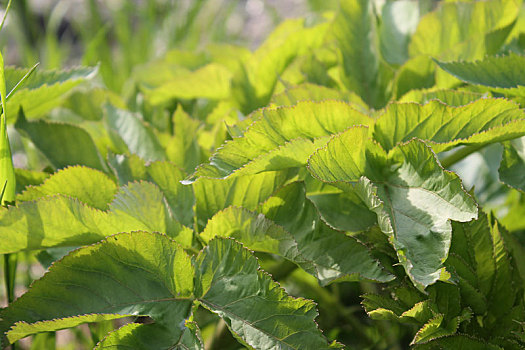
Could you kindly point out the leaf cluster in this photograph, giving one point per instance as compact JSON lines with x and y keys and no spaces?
{"x":350,"y":158}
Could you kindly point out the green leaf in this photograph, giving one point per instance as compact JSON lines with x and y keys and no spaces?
{"x":336,"y":256}
{"x":127,"y":168}
{"x":379,"y":307}
{"x":90,"y":104}
{"x":454,"y":98}
{"x":88,"y":185}
{"x":213,"y":195}
{"x":322,"y":252}
{"x":180,"y":198}
{"x":125,"y":272}
{"x":354,"y":30}
{"x":456,"y":24}
{"x":165,"y":175}
{"x":459,"y":342}
{"x":63,"y":144}
{"x":211,"y":81}
{"x":481,"y":122}
{"x":311,"y":92}
{"x":430,"y":330}
{"x":348,"y":156}
{"x":490,"y":273}
{"x":137,"y":135}
{"x":44,"y":90}
{"x":512,"y":165}
{"x":399,"y":20}
{"x":228,"y":282}
{"x":152,"y":336}
{"x":343,"y":211}
{"x":284,"y":137}
{"x":253,"y":84}
{"x":26,"y":178}
{"x":60,"y":221}
{"x":183,"y":148}
{"x":414,"y":201}
{"x":502,"y":72}
{"x":416,"y":73}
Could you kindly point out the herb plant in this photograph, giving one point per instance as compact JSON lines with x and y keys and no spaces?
{"x":336,"y":187}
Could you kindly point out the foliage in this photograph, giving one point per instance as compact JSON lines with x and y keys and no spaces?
{"x":356,"y":181}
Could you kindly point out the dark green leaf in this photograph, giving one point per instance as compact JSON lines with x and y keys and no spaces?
{"x":63,"y":144}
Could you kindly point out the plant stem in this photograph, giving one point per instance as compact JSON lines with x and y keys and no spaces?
{"x":10,"y":264}
{"x":459,"y":155}
{"x":217,"y":341}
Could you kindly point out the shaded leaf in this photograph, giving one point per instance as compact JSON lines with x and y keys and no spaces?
{"x":63,"y":144}
{"x":341,"y":210}
{"x":127,"y":168}
{"x":180,"y":198}
{"x":139,"y":137}
{"x":213,"y":195}
{"x":399,"y":20}
{"x":414,"y":201}
{"x":26,"y":178}
{"x":259,"y":233}
{"x":512,"y":167}
{"x":256,"y":309}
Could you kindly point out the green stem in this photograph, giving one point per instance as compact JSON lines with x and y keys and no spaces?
{"x":221,"y":337}
{"x":459,"y":155}
{"x":10,"y":264}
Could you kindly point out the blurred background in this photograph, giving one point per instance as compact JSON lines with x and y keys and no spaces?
{"x":121,"y":34}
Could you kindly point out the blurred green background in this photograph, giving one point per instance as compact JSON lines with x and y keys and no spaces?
{"x":121,"y":34}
